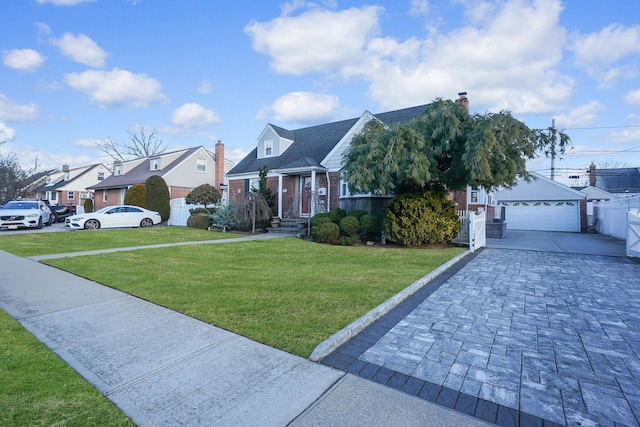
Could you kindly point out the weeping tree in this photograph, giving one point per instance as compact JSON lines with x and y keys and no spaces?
{"x":444,"y":149}
{"x":448,"y":148}
{"x":254,"y":209}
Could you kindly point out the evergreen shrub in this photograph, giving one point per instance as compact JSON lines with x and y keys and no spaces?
{"x":327,"y":232}
{"x":337,"y":214}
{"x":136,"y":195}
{"x":414,"y":219}
{"x":349,"y":225}
{"x":199,"y":220}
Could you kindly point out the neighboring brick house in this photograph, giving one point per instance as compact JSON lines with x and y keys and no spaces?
{"x":70,"y":186}
{"x":305,"y":165}
{"x":182,"y":170}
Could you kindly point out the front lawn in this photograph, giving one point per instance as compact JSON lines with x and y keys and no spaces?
{"x":288,"y":293}
{"x":32,"y":244}
{"x":39,"y":389}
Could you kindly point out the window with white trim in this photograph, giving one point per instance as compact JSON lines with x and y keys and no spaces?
{"x":104,"y":195}
{"x":344,"y":186}
{"x":52,"y":195}
{"x":254,"y":185}
{"x":155,"y":164}
{"x":268,"y":147}
{"x":70,"y":195}
{"x":117,"y":170}
{"x":201,"y":165}
{"x":100,"y":176}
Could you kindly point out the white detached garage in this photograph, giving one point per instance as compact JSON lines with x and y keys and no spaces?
{"x":541,"y":204}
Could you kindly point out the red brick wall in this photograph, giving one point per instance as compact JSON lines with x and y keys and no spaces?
{"x":177,"y":192}
{"x":334,"y":190}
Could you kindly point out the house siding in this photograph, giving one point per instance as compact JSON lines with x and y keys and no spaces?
{"x":334,"y":160}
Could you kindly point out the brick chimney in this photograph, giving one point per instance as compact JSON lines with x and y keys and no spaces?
{"x":592,"y":174}
{"x":65,"y":168}
{"x":463,"y":100}
{"x":219,"y":167}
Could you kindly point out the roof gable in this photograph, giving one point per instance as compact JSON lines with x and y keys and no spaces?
{"x":539,"y":188}
{"x":316,"y":142}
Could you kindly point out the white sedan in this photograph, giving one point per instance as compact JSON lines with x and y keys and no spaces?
{"x":113,"y":217}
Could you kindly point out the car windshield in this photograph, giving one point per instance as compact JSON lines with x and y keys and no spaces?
{"x":21,"y":205}
{"x":103,"y":210}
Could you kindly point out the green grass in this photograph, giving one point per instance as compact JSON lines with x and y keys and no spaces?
{"x":32,"y":244}
{"x":39,"y":389}
{"x":287,"y":293}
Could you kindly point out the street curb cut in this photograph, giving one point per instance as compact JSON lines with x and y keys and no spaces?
{"x":329,"y":345}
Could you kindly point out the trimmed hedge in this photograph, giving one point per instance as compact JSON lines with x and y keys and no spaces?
{"x":349,"y":225}
{"x":421,"y":218}
{"x":199,"y":220}
{"x":327,"y":232}
{"x":136,"y":195}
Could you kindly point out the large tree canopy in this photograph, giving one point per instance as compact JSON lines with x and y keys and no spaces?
{"x":446,"y":147}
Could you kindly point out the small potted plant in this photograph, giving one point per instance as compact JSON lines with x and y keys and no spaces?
{"x":275,"y":222}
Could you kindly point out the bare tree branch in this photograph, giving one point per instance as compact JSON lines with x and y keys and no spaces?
{"x":142,"y":143}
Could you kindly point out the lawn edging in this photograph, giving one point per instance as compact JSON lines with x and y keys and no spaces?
{"x":329,"y":345}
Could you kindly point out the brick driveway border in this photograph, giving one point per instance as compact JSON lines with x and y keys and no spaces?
{"x":516,"y":337}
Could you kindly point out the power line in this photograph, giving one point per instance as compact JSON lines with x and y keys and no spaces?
{"x":603,"y":127}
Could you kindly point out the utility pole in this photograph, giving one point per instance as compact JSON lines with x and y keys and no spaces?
{"x":553,"y":149}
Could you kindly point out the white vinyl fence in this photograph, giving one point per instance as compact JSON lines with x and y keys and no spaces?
{"x":180,"y":211}
{"x":473,"y":229}
{"x":611,"y":217}
{"x":633,"y":233}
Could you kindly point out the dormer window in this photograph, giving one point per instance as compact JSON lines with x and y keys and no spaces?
{"x":268,"y":147}
{"x":117,"y":169}
{"x":100,"y":176}
{"x":66,"y":176}
{"x":155,"y":164}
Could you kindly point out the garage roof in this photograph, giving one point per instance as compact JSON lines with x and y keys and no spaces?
{"x":539,"y":188}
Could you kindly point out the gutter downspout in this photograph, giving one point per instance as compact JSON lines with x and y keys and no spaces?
{"x":328,"y":191}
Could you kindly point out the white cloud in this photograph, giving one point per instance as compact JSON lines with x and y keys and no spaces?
{"x":580,"y":116}
{"x":419,"y":7}
{"x":86,"y":142}
{"x":11,"y":111}
{"x":205,"y":87}
{"x":64,"y":2}
{"x":194,"y":115}
{"x":507,"y":56}
{"x":305,"y":107}
{"x":6,"y":133}
{"x":117,"y":88}
{"x":633,"y":97}
{"x":235,"y":154}
{"x":82,"y":49}
{"x":23,"y":59}
{"x":316,"y":40}
{"x":600,"y":53}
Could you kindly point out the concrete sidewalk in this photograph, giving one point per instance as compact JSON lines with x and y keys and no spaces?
{"x":163,"y":368}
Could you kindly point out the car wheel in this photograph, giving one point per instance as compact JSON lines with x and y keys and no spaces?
{"x":55,"y":217}
{"x":51,"y":219}
{"x":92,"y":224}
{"x":39,"y":226}
{"x":146,"y":223}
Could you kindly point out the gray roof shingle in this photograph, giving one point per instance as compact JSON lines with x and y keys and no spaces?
{"x":619,"y":180}
{"x":312,"y":144}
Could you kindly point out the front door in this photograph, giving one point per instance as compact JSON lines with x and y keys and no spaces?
{"x":305,"y":195}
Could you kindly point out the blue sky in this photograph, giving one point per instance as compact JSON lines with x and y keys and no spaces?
{"x":74,"y":72}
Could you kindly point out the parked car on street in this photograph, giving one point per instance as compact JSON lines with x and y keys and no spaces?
{"x":25,"y":214}
{"x":113,"y":217}
{"x":61,"y":212}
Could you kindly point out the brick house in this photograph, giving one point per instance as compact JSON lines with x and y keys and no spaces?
{"x":305,"y":165}
{"x":182,"y":170}
{"x":71,"y":186}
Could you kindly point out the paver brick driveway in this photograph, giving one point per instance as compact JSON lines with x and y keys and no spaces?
{"x":517,"y":337}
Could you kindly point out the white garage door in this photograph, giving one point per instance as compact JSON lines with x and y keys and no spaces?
{"x":543,"y":215}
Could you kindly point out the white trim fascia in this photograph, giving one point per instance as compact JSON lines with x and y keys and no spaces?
{"x":366,"y":117}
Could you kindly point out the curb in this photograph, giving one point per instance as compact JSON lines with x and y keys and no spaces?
{"x":329,"y":345}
